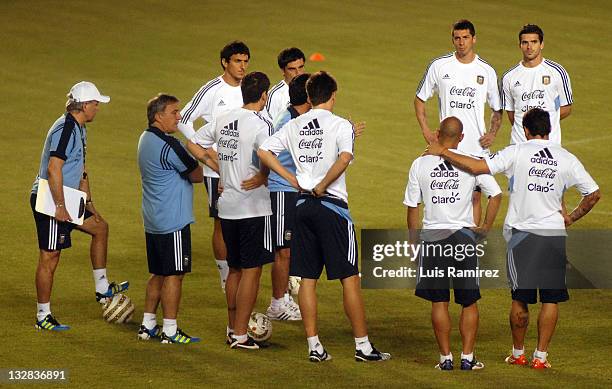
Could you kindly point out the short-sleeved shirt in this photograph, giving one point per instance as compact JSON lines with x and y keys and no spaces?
{"x":462,"y":92}
{"x":546,"y":86}
{"x":66,"y":140}
{"x":238,"y":134}
{"x":446,"y":193}
{"x":315,"y":141}
{"x":167,"y":193}
{"x":277,"y":183}
{"x":539,"y":171}
{"x":278,"y":100}
{"x":211,"y":100}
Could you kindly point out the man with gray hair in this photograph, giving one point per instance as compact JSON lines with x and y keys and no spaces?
{"x":167,"y":173}
{"x":62,"y":164}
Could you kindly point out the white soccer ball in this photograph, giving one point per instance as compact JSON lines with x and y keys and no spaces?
{"x":294,"y":285}
{"x":119,"y":309}
{"x":260,"y":327}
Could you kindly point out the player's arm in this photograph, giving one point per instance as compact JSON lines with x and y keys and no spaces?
{"x":268,"y":158}
{"x":463,"y":162}
{"x":335,"y":171}
{"x":487,"y":139}
{"x":421,"y":116}
{"x":196,"y":175}
{"x":412,"y":219}
{"x":586,"y":204}
{"x":261,"y":177}
{"x":56,"y":185}
{"x":565,"y":111}
{"x":203,"y":155}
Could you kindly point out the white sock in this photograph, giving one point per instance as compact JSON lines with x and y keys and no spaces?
{"x":364,"y":345}
{"x":445,"y":357}
{"x":223,"y":270}
{"x":541,"y":355}
{"x":469,"y":356}
{"x":169,"y":327}
{"x":516,"y":353}
{"x":100,"y":279}
{"x":276,"y":303}
{"x":149,"y":320}
{"x":42,"y":310}
{"x":228,"y":330}
{"x":315,"y":344}
{"x":241,"y":338}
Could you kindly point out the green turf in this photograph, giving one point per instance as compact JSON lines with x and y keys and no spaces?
{"x":378,"y":52}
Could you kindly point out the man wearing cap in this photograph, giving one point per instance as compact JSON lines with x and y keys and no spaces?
{"x":62,"y":163}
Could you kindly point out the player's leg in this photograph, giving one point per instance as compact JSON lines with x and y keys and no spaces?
{"x":98,"y":228}
{"x":280,"y":273}
{"x":232,"y":239}
{"x":170,"y":300}
{"x":149,"y":327}
{"x":218,"y":244}
{"x":52,"y":238}
{"x":441,"y":322}
{"x":231,"y":288}
{"x":246,"y":296}
{"x":307,"y":298}
{"x":547,"y":322}
{"x":468,"y":327}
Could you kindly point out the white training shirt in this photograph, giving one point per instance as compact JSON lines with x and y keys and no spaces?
{"x":213,"y":99}
{"x":546,"y":86}
{"x":539,"y":171}
{"x":446,"y":193}
{"x":238,"y":135}
{"x":315,"y":140}
{"x":462,"y":92}
{"x":278,"y":100}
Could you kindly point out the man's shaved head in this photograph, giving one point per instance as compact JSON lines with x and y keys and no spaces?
{"x":451,"y":128}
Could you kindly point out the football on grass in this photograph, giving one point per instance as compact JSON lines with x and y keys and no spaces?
{"x":119,"y":309}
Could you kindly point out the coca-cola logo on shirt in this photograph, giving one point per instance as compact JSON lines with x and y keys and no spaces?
{"x":228,"y":143}
{"x":542,"y":173}
{"x":467,"y":91}
{"x":444,"y":184}
{"x":315,"y":143}
{"x":534,"y":94}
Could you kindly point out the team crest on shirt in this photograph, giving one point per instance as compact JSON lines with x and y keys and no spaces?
{"x":545,"y":80}
{"x":480,"y":80}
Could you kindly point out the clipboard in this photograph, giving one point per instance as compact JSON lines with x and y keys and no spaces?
{"x":74,"y":202}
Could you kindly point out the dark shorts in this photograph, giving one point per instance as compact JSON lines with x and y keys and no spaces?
{"x":323,"y":236}
{"x":283,"y":218}
{"x":52,"y":235}
{"x":169,"y":254}
{"x":437,"y":270}
{"x":212,"y":189}
{"x":248,"y":242}
{"x":536,"y":262}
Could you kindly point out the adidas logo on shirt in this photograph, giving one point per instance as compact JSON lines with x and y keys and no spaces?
{"x":445,"y":169}
{"x":446,"y":77}
{"x":231,"y":129}
{"x":544,"y":157}
{"x":312,"y":128}
{"x":221,"y":103}
{"x":517,"y":84}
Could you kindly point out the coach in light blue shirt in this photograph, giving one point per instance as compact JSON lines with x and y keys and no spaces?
{"x":167,"y":173}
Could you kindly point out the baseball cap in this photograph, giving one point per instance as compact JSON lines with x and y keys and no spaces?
{"x":86,"y":91}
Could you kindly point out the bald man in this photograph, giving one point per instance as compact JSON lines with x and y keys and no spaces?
{"x":448,"y":219}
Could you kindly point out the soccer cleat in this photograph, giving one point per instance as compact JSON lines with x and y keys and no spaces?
{"x":315,"y":356}
{"x":49,"y":323}
{"x":471,"y":365}
{"x":537,"y":364}
{"x":113,"y":289}
{"x":374,"y":356}
{"x":521,"y":361}
{"x":229,"y":338}
{"x":249,"y":344}
{"x":180,"y":337}
{"x":287,"y":311}
{"x":145,"y":334}
{"x":446,"y":365}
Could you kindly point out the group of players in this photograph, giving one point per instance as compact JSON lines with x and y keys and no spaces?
{"x":274,"y":169}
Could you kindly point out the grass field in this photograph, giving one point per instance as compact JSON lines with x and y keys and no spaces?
{"x":377,"y":51}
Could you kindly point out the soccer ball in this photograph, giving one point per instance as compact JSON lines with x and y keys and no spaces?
{"x":260,"y":327}
{"x":294,"y":285}
{"x":119,"y":309}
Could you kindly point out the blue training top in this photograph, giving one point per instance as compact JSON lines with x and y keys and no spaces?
{"x":277,"y":183}
{"x":167,"y":193}
{"x":67,"y":140}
